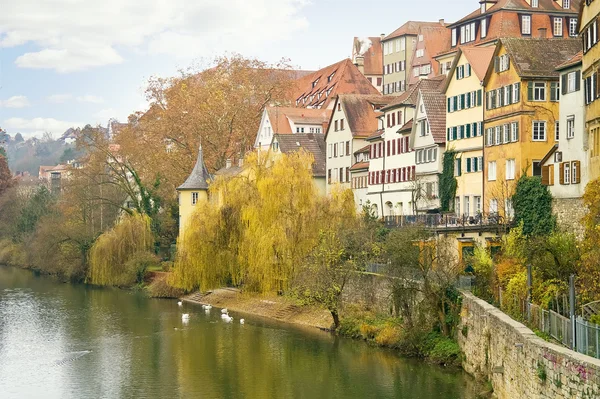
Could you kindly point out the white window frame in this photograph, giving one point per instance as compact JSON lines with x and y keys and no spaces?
{"x":514,"y":126}
{"x":195,"y":196}
{"x":541,"y":134}
{"x":573,"y":27}
{"x":493,"y":206}
{"x":491,"y":171}
{"x":510,"y":169}
{"x":420,"y":53}
{"x":566,"y":4}
{"x":534,"y":3}
{"x":483,"y":28}
{"x":526,"y":24}
{"x":567,"y":173}
{"x":557,"y":26}
{"x":539,"y":91}
{"x":570,"y":127}
{"x":571,"y":82}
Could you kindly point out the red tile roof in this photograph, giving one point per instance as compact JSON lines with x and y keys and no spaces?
{"x":436,"y":40}
{"x":576,"y":60}
{"x":313,"y":143}
{"x":410,"y":28}
{"x":364,"y":150}
{"x":360,"y":166}
{"x":362,"y":111}
{"x":407,"y":127}
{"x":280,"y":117}
{"x":318,"y":89}
{"x":479,"y":58}
{"x":434,"y":101}
{"x":373,"y":56}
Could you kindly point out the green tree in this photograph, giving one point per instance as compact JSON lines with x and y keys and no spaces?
{"x":6,"y":178}
{"x":448,"y":183}
{"x":38,"y":205}
{"x":532,"y":203}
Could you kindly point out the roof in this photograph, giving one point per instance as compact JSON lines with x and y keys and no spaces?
{"x":199,"y":178}
{"x":549,"y":154}
{"x":55,"y":168}
{"x":434,"y":102}
{"x":521,"y":5}
{"x":365,"y":150}
{"x":360,"y":166}
{"x":537,"y":58}
{"x":280,"y":117}
{"x":410,"y":96}
{"x":229,"y":171}
{"x":317,"y":89}
{"x":479,"y":58}
{"x":360,"y":112}
{"x":376,"y":135}
{"x":312,"y":143}
{"x":407,"y":127}
{"x":575,"y":60}
{"x":410,"y":28}
{"x":436,"y":39}
{"x":372,"y":54}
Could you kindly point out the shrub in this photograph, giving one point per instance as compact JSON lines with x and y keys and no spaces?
{"x":440,"y":349}
{"x":389,"y":336}
{"x":160,"y":288}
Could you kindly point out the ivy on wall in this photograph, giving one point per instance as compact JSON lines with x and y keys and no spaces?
{"x":448,"y":184}
{"x":532,"y":203}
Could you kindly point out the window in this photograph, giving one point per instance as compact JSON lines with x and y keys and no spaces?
{"x":506,"y":133}
{"x":516,"y":97}
{"x":454,"y":34}
{"x":467,"y":205}
{"x":460,"y":72}
{"x":477,"y":203}
{"x":348,"y":147}
{"x":457,"y":167}
{"x":299,"y":130}
{"x":567,"y":173}
{"x":526,"y":24}
{"x":335,"y":124}
{"x":510,"y":169}
{"x":493,"y":206}
{"x":558,"y":26}
{"x":426,"y":69}
{"x":514,"y":131}
{"x":457,"y":205}
{"x":419,"y":52}
{"x":573,"y":27}
{"x":566,"y":4}
{"x":537,"y":168}
{"x":330,"y":150}
{"x":570,"y":126}
{"x":556,"y":131}
{"x":571,"y":82}
{"x":503,"y":63}
{"x":483,"y":28}
{"x":575,"y":172}
{"x":492,"y":171}
{"x":498,"y":131}
{"x":402,"y":44}
{"x":534,"y":3}
{"x":509,"y":211}
{"x":194,"y":198}
{"x":539,"y":91}
{"x":341,"y":125}
{"x":335,"y":150}
{"x":539,"y":131}
{"x":416,"y":71}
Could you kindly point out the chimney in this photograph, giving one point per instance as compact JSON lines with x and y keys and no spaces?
{"x":382,"y":36}
{"x":542,"y":32}
{"x":228,"y":164}
{"x":360,"y":63}
{"x":442,"y":22}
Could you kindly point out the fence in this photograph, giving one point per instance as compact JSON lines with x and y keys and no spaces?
{"x":444,"y":221}
{"x":552,"y":323}
{"x":587,"y":337}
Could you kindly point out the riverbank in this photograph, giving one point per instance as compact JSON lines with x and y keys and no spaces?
{"x":270,"y":306}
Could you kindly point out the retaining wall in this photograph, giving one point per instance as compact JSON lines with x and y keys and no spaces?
{"x":519,"y":363}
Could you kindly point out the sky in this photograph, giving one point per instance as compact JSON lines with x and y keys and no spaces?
{"x":66,"y":63}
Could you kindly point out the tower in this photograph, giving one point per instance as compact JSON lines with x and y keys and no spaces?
{"x":193,"y":191}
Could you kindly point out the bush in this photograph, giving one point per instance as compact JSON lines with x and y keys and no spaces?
{"x":160,"y":288}
{"x":440,"y":350}
{"x":139,"y":263}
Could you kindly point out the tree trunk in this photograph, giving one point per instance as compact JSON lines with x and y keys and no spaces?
{"x":336,"y":319}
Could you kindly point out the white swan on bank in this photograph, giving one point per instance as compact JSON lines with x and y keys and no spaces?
{"x":227,"y":318}
{"x":242,"y":321}
{"x":224,"y":311}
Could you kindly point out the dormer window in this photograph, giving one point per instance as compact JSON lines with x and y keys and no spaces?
{"x":420,"y":53}
{"x":535,"y":3}
{"x":526,"y":24}
{"x":483,"y":28}
{"x":483,"y":8}
{"x":328,"y":91}
{"x":315,"y":83}
{"x":330,"y":78}
{"x":566,"y":4}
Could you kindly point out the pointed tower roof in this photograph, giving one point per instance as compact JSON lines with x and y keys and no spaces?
{"x":198,"y":179}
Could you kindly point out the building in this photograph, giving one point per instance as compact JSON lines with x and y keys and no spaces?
{"x":319,"y":89}
{"x":588,"y":31}
{"x":521,"y":113}
{"x":398,"y":49}
{"x":368,"y":57}
{"x":428,"y":141}
{"x":288,"y":120}
{"x":312,"y":143}
{"x":53,"y":176}
{"x":391,"y":182}
{"x":464,"y":125}
{"x":354,"y":118}
{"x":192,"y":192}
{"x":431,"y":41}
{"x":359,"y":175}
{"x":496,"y":19}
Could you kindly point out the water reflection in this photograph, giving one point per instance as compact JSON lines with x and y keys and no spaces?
{"x":65,"y":341}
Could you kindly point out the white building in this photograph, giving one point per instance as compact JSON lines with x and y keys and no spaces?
{"x":354,"y":118}
{"x":428,"y":140}
{"x":359,"y":177}
{"x":566,"y":166}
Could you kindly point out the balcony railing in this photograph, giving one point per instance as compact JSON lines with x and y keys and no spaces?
{"x":446,"y":221}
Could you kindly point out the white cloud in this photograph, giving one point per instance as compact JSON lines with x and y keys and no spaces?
{"x":88,"y":98}
{"x":37,"y":126}
{"x":69,"y":39}
{"x":59,"y":98}
{"x":15,"y":102}
{"x":104,"y":115}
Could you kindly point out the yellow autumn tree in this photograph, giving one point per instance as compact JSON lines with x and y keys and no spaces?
{"x":121,"y":255}
{"x":259,"y":226}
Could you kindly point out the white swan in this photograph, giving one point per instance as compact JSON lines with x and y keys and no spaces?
{"x":180,"y":303}
{"x":185,"y":316}
{"x":242,"y":321}
{"x":224,"y":316}
{"x":227,"y":319}
{"x":224,"y":311}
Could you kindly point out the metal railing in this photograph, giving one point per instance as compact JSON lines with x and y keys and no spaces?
{"x":445,"y":221}
{"x":587,"y":337}
{"x":552,"y":323}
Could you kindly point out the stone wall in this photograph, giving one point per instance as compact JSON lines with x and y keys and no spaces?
{"x":518,"y":363}
{"x":370,"y":291}
{"x":569,"y":212}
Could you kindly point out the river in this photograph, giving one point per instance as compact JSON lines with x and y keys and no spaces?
{"x":73,"y":341}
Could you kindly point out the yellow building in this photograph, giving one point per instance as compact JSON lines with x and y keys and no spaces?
{"x":193,"y":191}
{"x":588,"y":31}
{"x":464,"y":125}
{"x":521,"y":113}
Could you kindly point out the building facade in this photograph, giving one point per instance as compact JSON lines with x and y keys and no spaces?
{"x":287,"y":120}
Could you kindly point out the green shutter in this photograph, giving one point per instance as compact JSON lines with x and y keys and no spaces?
{"x":468,"y":165}
{"x":469,"y":131}
{"x":480,"y":128}
{"x":448,"y":134}
{"x":518,"y":99}
{"x":510,"y":101}
{"x":468,"y":100}
{"x":529,"y":91}
{"x":454,"y":133}
{"x":448,"y":104}
{"x":517,"y":130}
{"x":479,"y":98}
{"x":469,"y":69}
{"x":554,"y":91}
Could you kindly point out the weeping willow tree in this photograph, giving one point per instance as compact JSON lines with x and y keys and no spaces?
{"x":258,"y":229}
{"x":120,"y":255}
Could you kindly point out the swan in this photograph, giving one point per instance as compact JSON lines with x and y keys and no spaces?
{"x":227,"y":319}
{"x":242,"y":321}
{"x":185,"y":316}
{"x":180,"y":303}
{"x":224,"y":311}
{"x":224,"y":316}
{"x":207,"y":307}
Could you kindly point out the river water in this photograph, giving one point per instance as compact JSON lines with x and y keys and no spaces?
{"x":73,"y":341}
